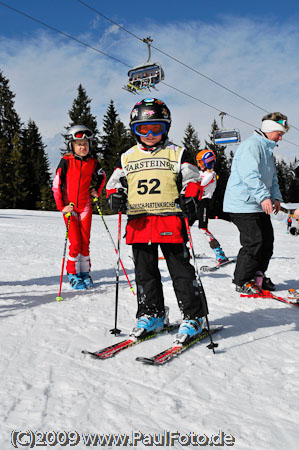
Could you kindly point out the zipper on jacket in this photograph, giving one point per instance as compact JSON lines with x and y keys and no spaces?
{"x":79,"y":184}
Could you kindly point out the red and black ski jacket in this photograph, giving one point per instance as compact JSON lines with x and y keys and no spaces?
{"x":74,"y":178}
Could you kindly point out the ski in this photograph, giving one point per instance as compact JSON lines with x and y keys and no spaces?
{"x":214,"y":268}
{"x":114,"y":349}
{"x":135,"y":87}
{"x":168,"y":354}
{"x":268,"y":294}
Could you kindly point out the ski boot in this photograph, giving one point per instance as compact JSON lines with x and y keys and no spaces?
{"x":188,"y":329}
{"x":220,"y":256}
{"x":146,"y":324}
{"x":250,"y":288}
{"x":264,"y":282}
{"x":268,"y":285}
{"x":76,"y":281}
{"x":87,"y":280}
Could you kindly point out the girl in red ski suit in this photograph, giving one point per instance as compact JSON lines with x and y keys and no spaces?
{"x":78,"y":177}
{"x":149,"y":178}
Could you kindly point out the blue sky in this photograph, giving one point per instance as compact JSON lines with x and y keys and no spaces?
{"x":249,"y":47}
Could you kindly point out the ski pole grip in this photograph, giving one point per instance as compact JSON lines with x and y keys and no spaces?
{"x":71,"y":204}
{"x":95,"y":199}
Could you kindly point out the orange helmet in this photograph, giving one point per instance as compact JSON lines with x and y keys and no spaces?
{"x":206,"y":159}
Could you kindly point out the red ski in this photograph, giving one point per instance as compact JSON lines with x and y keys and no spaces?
{"x":268,"y":294}
{"x":114,"y":349}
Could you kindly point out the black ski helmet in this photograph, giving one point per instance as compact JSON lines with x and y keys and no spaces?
{"x":150,"y":110}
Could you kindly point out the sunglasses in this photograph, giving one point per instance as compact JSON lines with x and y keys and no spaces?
{"x":153,"y":128}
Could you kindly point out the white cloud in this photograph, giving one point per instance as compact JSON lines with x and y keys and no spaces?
{"x":257,"y":60}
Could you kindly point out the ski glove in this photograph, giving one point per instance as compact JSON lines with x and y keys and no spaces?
{"x":189,"y":207}
{"x":118,"y":201}
{"x":294,"y":231}
{"x":189,"y":200}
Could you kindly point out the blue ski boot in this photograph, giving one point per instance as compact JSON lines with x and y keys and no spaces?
{"x":220,"y":256}
{"x":188,"y":329}
{"x":87,"y":280}
{"x":147,"y":323}
{"x":76,"y":281}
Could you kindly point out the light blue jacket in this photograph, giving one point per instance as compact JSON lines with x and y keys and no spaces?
{"x":253,"y":176}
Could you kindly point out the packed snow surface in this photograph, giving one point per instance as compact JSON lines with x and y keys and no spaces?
{"x":247,"y":393}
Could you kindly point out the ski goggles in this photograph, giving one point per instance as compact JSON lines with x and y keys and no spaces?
{"x":208,"y":163}
{"x":153,"y":128}
{"x":84,"y":134}
{"x":282,"y":122}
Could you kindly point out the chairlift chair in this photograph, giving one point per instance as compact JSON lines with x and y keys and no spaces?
{"x":144,"y":76}
{"x":225,"y":136}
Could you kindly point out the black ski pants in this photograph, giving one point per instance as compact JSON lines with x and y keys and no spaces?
{"x":256,"y":238}
{"x":190,"y":296}
{"x":203,"y":213}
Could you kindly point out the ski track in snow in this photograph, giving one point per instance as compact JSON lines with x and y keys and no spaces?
{"x":248,"y":389}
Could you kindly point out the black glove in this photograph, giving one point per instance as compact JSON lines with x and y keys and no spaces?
{"x":118,"y":201}
{"x":189,"y":206}
{"x":294,"y":231}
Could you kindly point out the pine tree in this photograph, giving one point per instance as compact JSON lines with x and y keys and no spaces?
{"x":284,"y":178}
{"x":37,"y":168}
{"x":222,"y":168}
{"x":114,"y":140}
{"x":46,"y":200}
{"x":292,"y":195}
{"x":191,"y":141}
{"x":10,"y":126}
{"x":80,"y":114}
{"x":17,"y":187}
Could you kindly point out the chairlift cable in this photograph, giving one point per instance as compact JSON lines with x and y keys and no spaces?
{"x":127,"y":65}
{"x":219,"y":110}
{"x":180,"y":62}
{"x":63,"y":33}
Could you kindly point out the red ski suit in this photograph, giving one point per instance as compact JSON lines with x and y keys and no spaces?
{"x":74,"y":178}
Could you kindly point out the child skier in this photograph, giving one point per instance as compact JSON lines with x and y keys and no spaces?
{"x":78,"y":177}
{"x":289,"y":224}
{"x":147,"y":184}
{"x":206,"y":161}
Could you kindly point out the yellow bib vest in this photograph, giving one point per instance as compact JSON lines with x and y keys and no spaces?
{"x":152,"y":187}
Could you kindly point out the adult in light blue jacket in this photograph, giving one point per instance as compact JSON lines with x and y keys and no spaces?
{"x":252,"y":194}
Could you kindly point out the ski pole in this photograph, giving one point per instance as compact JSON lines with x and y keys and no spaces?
{"x":115,"y":330}
{"x":68,"y":215}
{"x":212,"y":345}
{"x":95,"y":200}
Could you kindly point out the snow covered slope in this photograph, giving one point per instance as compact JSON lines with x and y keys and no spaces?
{"x":248,"y":390}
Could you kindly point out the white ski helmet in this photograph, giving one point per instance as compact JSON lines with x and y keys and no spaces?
{"x":77,"y":132}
